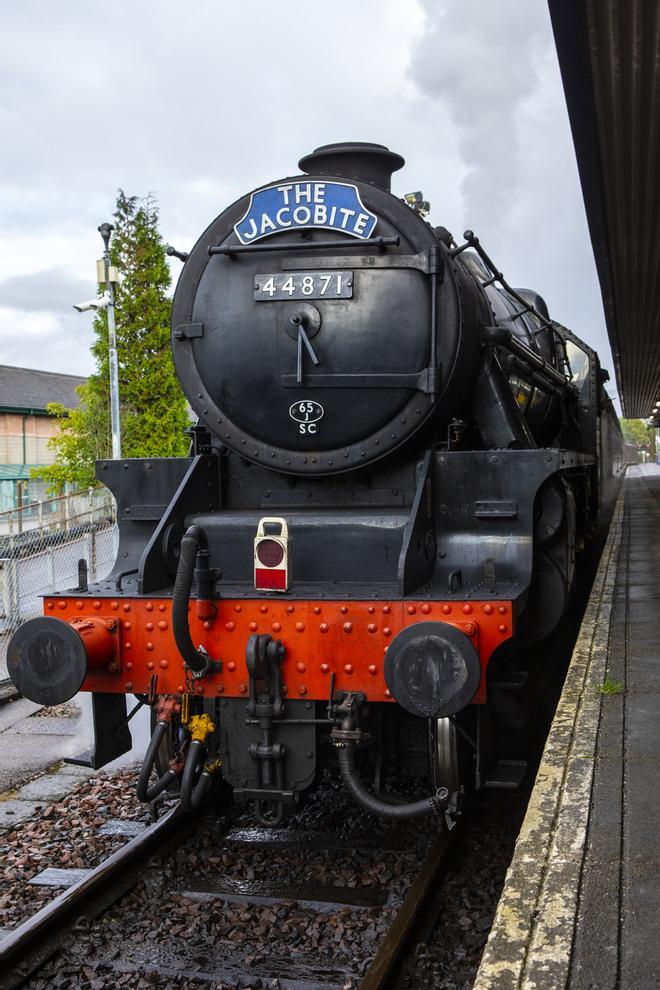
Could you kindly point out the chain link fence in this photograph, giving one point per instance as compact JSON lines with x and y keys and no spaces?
{"x":41,"y":544}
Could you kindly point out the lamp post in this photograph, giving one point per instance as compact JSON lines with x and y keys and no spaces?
{"x":105,"y":230}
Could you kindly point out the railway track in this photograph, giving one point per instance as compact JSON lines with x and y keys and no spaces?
{"x":67,"y":934}
{"x":29,"y":946}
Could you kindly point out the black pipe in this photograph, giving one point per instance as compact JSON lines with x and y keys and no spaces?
{"x":194,"y":788}
{"x":145,"y":791}
{"x":193,"y":541}
{"x":433,"y":805}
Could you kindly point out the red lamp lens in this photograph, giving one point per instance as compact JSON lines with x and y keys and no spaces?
{"x":270,"y":553}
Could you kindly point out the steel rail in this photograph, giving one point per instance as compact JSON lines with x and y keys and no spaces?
{"x":36,"y":940}
{"x":399,"y":935}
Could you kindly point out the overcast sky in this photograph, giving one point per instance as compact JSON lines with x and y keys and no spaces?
{"x":198,"y":103}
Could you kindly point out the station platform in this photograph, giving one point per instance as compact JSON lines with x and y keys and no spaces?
{"x":581,"y":904}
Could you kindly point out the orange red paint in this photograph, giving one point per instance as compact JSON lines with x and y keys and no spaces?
{"x":348,"y":639}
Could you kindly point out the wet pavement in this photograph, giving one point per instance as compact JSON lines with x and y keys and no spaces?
{"x":579,"y":908}
{"x":31,"y":744}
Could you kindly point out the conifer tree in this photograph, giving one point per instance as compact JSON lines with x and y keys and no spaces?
{"x":153,"y":412}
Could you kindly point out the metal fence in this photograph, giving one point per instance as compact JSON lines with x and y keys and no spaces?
{"x":41,"y":544}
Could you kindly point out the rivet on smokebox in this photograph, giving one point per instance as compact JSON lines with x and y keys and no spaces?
{"x":488,"y":609}
{"x":162,"y":625}
{"x":231,"y":665}
{"x":300,"y":627}
{"x":207,"y":625}
{"x":469,"y":628}
{"x":348,"y":668}
{"x":302,"y":689}
{"x":325,"y":668}
{"x":128,"y":685}
{"x":373,"y":669}
{"x":150,"y":626}
{"x":502,"y":629}
{"x":61,"y":605}
{"x":51,"y":606}
{"x":317,"y":610}
{"x":290,"y":609}
{"x":114,"y":606}
{"x":276,"y":626}
{"x":344,"y":609}
{"x":150,"y":665}
{"x":324,"y":627}
{"x":372,"y":627}
{"x":371,"y":610}
{"x":126,"y":607}
{"x":446,"y":609}
{"x":264,"y":608}
{"x":348,"y":627}
{"x":127,"y":646}
{"x":162,"y":607}
{"x":426,"y":608}
{"x":164,"y":664}
{"x":238,"y":608}
{"x":230,"y":626}
{"x":388,"y":693}
{"x":253,"y":626}
{"x":149,"y":606}
{"x":467,"y":609}
{"x":410,"y":609}
{"x":127,"y":624}
{"x":386,"y":609}
{"x":79,"y":605}
{"x":502,"y":610}
{"x":96,"y":605}
{"x":150,"y":646}
{"x":387,"y":631}
{"x":300,"y":667}
{"x":242,"y":688}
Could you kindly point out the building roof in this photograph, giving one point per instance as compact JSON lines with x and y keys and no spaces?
{"x":609,"y":56}
{"x":30,"y":390}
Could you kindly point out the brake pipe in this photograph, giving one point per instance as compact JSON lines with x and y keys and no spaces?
{"x":344,"y":740}
{"x":167,"y":707}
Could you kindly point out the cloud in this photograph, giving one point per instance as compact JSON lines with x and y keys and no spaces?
{"x":52,"y":342}
{"x":202,"y":107}
{"x":49,"y":291}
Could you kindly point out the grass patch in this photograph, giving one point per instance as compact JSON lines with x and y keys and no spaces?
{"x":611,"y":687}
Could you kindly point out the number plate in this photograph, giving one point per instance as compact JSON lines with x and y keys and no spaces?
{"x":303,"y":285}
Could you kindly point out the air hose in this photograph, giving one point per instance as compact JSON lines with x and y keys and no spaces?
{"x":193,"y":541}
{"x":145,"y":791}
{"x":195,"y":785}
{"x":434,"y":804}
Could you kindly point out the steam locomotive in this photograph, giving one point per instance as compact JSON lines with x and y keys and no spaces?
{"x":397,"y":462}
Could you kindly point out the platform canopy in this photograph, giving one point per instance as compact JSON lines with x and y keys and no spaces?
{"x":609,"y":55}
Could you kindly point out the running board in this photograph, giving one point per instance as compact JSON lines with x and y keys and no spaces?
{"x":506,"y":775}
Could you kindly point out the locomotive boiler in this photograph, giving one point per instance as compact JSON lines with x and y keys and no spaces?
{"x":397,"y":461}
